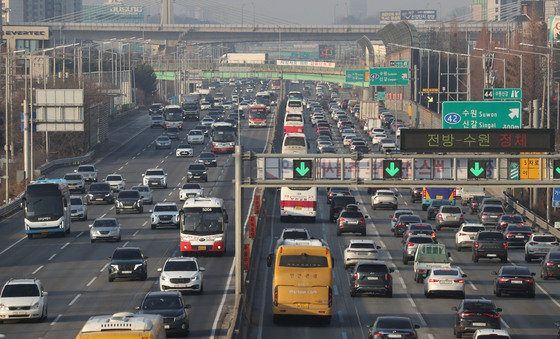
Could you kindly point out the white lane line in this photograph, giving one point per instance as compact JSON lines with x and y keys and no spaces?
{"x":74,"y":300}
{"x":91,"y":281}
{"x":37,"y":270}
{"x":136,"y":233}
{"x":473,"y":286}
{"x":103,"y":215}
{"x":12,"y":245}
{"x":145,"y":222}
{"x":104,"y":267}
{"x":126,"y":243}
{"x":504,"y":323}
{"x":56,"y":319}
{"x":79,"y":235}
{"x":340,"y":318}
{"x":548,"y":295}
{"x":217,"y":318}
{"x":126,"y":163}
{"x":431,"y":336}
{"x":64,"y":246}
{"x":52,"y":256}
{"x":120,"y":168}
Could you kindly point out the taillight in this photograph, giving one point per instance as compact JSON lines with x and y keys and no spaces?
{"x":362,"y":220}
{"x":433,"y":234}
{"x":533,"y":243}
{"x":550,"y":263}
{"x":314,"y":205}
{"x":355,"y":276}
{"x":504,"y":279}
{"x":401,"y":224}
{"x":433,"y":280}
{"x":282,"y":203}
{"x":460,"y":234}
{"x":440,"y":216}
{"x":394,"y":218}
{"x":484,"y":214}
{"x":509,"y":235}
{"x":341,"y":220}
{"x":503,"y":223}
{"x":505,"y":245}
{"x":554,"y":243}
{"x":330,"y":296}
{"x":460,"y":281}
{"x":462,"y":217}
{"x":276,"y":296}
{"x":500,"y":214}
{"x":492,"y":315}
{"x":530,"y":281}
{"x":476,"y":244}
{"x":463,"y":314}
{"x":409,"y":233}
{"x":409,"y":244}
{"x":388,"y":276}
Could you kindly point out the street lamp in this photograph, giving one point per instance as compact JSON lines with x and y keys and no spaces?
{"x":253,"y":4}
{"x":503,"y":61}
{"x":334,"y":13}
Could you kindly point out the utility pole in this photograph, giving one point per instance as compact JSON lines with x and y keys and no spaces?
{"x":238,"y":223}
{"x":6,"y":125}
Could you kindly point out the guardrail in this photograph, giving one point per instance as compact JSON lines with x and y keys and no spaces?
{"x":13,"y":206}
{"x":530,"y":216}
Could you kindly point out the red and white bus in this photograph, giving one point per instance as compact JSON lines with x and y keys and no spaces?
{"x":293,"y":122}
{"x":257,"y":116}
{"x":275,"y":84}
{"x":203,"y":226}
{"x":298,"y":202}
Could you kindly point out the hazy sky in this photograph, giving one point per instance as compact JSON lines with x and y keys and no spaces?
{"x":311,"y":11}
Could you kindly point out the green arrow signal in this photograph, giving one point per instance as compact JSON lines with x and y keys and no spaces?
{"x":392,"y":170}
{"x":558,"y":170}
{"x":302,"y":169}
{"x":476,"y":170}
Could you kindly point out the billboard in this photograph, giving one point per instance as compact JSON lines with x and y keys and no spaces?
{"x":113,"y":14}
{"x":417,"y":15}
{"x":554,"y":28}
{"x":305,"y":63}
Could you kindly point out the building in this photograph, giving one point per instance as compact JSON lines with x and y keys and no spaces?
{"x":22,"y":11}
{"x":502,"y":10}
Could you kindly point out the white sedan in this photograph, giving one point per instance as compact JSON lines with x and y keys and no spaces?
{"x":184,"y":150}
{"x":195,"y":137}
{"x":360,"y":249}
{"x":207,"y":121}
{"x":377,"y":137}
{"x":445,"y":280}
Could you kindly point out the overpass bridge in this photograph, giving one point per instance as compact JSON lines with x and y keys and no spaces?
{"x":238,"y":33}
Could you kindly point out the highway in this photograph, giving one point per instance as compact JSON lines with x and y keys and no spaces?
{"x":522,"y":317}
{"x":74,"y":271}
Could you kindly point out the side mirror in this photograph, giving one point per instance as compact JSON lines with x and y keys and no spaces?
{"x":159,"y":269}
{"x":494,"y":273}
{"x":463,"y":275}
{"x":226,"y":218}
{"x":109,"y":258}
{"x":65,"y":203}
{"x":378,"y":247}
{"x":188,"y":306}
{"x":143,"y":174}
{"x":269,"y":260}
{"x":165,"y":173}
{"x":146,"y":257}
{"x":449,"y":254}
{"x":201,"y":269}
{"x":498,"y":309}
{"x":137,"y":308}
{"x":391,"y":269}
{"x":90,"y":225}
{"x":120,"y":225}
{"x":533,"y":273}
{"x":416,"y":326}
{"x":45,"y":293}
{"x":367,"y":216}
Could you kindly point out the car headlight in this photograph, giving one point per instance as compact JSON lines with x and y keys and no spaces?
{"x":119,"y":204}
{"x":163,"y":278}
{"x":137,"y":266}
{"x":108,"y":194}
{"x":179,"y":318}
{"x":114,"y":267}
{"x":90,"y":195}
{"x":196,"y":277}
{"x":4,"y":307}
{"x":35,"y":305}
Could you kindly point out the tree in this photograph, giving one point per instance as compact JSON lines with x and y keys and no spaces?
{"x":145,"y":79}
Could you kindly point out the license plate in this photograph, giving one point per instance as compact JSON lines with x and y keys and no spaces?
{"x":479,"y":324}
{"x":491,"y":255}
{"x":126,"y":272}
{"x":364,"y":253}
{"x":394,"y":336}
{"x":302,"y":306}
{"x":100,"y":199}
{"x":166,"y":327}
{"x":472,"y":238}
{"x":19,"y":313}
{"x":520,"y":236}
{"x":445,"y":282}
{"x":202,"y":248}
{"x":372,"y":278}
{"x":298,"y":207}
{"x":516,"y":282}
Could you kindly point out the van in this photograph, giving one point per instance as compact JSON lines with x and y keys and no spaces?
{"x":294,"y":143}
{"x":124,"y":325}
{"x":427,"y":257}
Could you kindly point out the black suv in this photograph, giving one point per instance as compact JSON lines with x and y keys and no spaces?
{"x":371,"y":277}
{"x":208,"y":159}
{"x":338,"y":203}
{"x":197,"y":172}
{"x":129,"y":200}
{"x":489,"y":244}
{"x":514,"y":279}
{"x":169,"y":305}
{"x":100,"y":192}
{"x":351,"y":220}
{"x":128,"y":263}
{"x":402,"y":223}
{"x":434,"y":206}
{"x":473,"y":314}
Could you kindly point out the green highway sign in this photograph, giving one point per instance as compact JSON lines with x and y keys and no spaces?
{"x":357,"y":76}
{"x":476,"y":169}
{"x":481,"y":114}
{"x":388,"y":76}
{"x":556,"y":169}
{"x":502,"y":93}
{"x":380,"y":96}
{"x":392,"y":169}
{"x":399,"y":63}
{"x":303,"y":169}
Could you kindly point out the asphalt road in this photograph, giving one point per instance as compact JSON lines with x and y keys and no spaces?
{"x":522,"y":317}
{"x":74,"y":271}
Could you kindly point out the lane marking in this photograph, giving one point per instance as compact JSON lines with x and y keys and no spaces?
{"x":120,"y":168}
{"x":136,"y":232}
{"x":12,"y":245}
{"x":104,"y":267}
{"x":145,"y":222}
{"x":91,"y":281}
{"x":37,"y":270}
{"x":504,"y":323}
{"x":126,"y":243}
{"x":344,"y":335}
{"x":74,"y":300}
{"x":79,"y":235}
{"x":64,"y":246}
{"x":473,"y":286}
{"x":52,"y":256}
{"x":217,"y":318}
{"x":335,"y":290}
{"x":340,"y":318}
{"x":56,"y":319}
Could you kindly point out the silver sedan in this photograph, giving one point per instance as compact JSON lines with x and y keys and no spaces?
{"x":445,"y":280}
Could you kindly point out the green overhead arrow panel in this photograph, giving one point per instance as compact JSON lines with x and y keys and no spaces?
{"x":556,"y":169}
{"x":303,"y":169}
{"x":392,"y":169}
{"x":476,"y":169}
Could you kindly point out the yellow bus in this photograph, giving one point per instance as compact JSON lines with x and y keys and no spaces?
{"x":302,"y":283}
{"x":124,"y":325}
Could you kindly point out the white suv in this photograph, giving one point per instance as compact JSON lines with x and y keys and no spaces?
{"x":190,"y":191}
{"x":466,"y":234}
{"x":359,"y":249}
{"x":116,"y":181}
{"x":155,"y":177}
{"x":165,"y":213}
{"x":182,"y":274}
{"x":23,"y":299}
{"x":539,"y":245}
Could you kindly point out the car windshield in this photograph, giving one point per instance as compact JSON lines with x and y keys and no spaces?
{"x":153,"y":172}
{"x":114,"y":178}
{"x":473,"y":228}
{"x":554,"y":256}
{"x":127,"y":254}
{"x":351,"y":215}
{"x":207,"y":156}
{"x":197,"y":168}
{"x":545,"y":238}
{"x":304,"y":261}
{"x":86,"y":169}
{"x":20,"y":290}
{"x":161,"y":139}
{"x":191,"y":186}
{"x":157,"y":118}
{"x":451,"y":209}
{"x":512,"y":218}
{"x":141,"y":188}
{"x":180,"y":265}
{"x":129,"y":194}
{"x":492,"y":236}
{"x":155,"y":106}
{"x":410,"y":218}
{"x":371,"y":268}
{"x":420,"y":240}
{"x":162,"y":303}
{"x":184,"y":146}
{"x":385,"y":193}
{"x":105,"y":223}
{"x":437,"y":203}
{"x":165,"y":208}
{"x":172,"y":130}
{"x":294,"y":141}
{"x":449,"y":272}
{"x":295,"y":235}
{"x":343,"y":200}
{"x":516,"y":228}
{"x":493,"y":209}
{"x":393,"y":323}
{"x":73,"y":177}
{"x":99,"y":187}
{"x":76,"y":201}
{"x":195,"y":132}
{"x":363,"y":245}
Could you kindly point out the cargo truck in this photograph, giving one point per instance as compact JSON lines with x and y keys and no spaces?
{"x":441,"y":193}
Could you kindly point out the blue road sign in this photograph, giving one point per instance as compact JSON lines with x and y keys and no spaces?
{"x":556,"y":197}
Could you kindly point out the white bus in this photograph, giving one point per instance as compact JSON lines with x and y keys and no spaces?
{"x":203,"y":224}
{"x":294,"y":105}
{"x":293,"y":122}
{"x":46,"y":207}
{"x":263,"y":98}
{"x":294,"y":143}
{"x":298,"y":202}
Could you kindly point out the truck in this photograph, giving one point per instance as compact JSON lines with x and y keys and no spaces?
{"x":244,"y":58}
{"x":468,"y":193}
{"x":443,"y":193}
{"x":429,"y":256}
{"x":191,"y":107}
